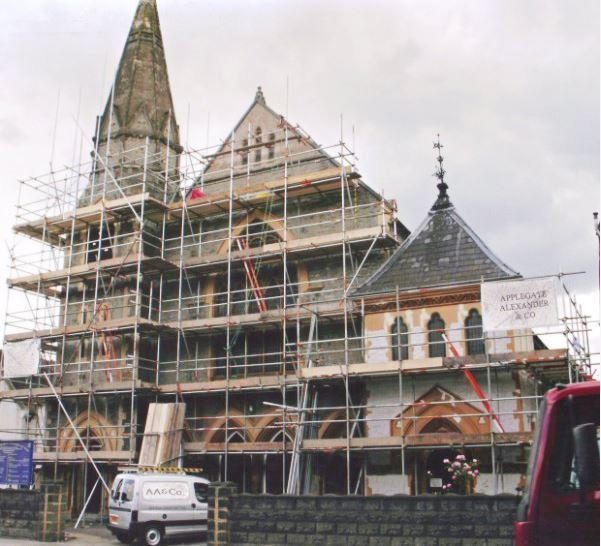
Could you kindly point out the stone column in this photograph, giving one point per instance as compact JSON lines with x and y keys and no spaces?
{"x":218,"y":529}
{"x":53,"y":507}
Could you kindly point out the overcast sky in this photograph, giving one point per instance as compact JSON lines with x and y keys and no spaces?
{"x":511,"y":86}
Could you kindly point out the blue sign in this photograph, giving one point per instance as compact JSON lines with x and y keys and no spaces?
{"x":16,"y":462}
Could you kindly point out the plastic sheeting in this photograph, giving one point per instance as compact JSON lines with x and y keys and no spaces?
{"x":21,"y":358}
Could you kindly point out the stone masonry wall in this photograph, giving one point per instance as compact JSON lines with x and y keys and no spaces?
{"x":358,"y":521}
{"x":33,"y":514}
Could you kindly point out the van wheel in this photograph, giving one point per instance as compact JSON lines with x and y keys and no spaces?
{"x":153,"y":535}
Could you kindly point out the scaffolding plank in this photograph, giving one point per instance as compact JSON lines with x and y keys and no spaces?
{"x":162,"y":434}
{"x":297,"y":186}
{"x":233,"y":384}
{"x":73,"y":390}
{"x":306,"y":245}
{"x":80,"y":456}
{"x":53,"y":226}
{"x":418,"y":440}
{"x":115,"y":324}
{"x":49,"y":282}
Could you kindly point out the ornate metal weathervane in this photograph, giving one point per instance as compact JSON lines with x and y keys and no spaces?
{"x":442,"y":201}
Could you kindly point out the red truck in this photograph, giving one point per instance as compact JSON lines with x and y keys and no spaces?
{"x":560,"y":505}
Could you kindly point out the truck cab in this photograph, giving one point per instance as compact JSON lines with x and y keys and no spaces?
{"x":560,"y":505}
{"x":152,"y":505}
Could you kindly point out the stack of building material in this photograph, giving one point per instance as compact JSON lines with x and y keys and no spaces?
{"x":163,"y":434}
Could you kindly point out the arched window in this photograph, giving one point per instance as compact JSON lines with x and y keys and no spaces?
{"x":473,"y":333}
{"x":271,"y":145}
{"x":258,"y":141}
{"x":399,"y":340}
{"x":245,"y":152}
{"x":436,"y":344}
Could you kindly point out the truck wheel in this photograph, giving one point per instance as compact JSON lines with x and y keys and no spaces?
{"x":153,"y":535}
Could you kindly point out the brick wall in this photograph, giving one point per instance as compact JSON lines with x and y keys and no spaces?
{"x":33,"y":515}
{"x":358,"y":521}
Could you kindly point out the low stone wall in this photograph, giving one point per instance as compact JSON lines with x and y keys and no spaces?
{"x":33,"y":515}
{"x":358,"y":521}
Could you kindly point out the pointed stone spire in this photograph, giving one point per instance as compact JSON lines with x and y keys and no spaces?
{"x":259,"y":97}
{"x":140,"y":103}
{"x":442,"y":201}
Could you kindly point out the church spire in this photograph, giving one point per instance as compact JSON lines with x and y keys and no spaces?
{"x":442,"y":201}
{"x":140,"y":103}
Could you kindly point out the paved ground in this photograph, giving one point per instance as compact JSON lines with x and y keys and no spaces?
{"x":90,"y":536}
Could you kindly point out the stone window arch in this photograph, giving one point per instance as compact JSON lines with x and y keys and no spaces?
{"x":436,"y":343}
{"x":101,"y":436}
{"x":474,"y":338}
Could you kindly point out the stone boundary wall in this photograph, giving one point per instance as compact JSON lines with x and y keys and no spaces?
{"x":401,"y":520}
{"x":33,"y":514}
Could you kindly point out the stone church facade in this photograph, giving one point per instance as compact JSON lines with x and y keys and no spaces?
{"x":318,"y":345}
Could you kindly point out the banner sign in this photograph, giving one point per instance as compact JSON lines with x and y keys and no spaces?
{"x":16,"y":462}
{"x":512,"y":305}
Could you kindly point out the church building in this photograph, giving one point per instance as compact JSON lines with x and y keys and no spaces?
{"x":306,"y":341}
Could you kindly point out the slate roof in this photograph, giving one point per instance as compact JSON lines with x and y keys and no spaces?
{"x":442,"y":251}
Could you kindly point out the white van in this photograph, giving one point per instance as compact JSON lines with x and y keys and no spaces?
{"x":152,"y":506}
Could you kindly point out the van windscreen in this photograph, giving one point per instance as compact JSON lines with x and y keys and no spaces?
{"x":128,"y":490}
{"x":116,"y":488}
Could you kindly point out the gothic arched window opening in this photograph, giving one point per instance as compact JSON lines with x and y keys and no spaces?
{"x":399,"y":340}
{"x":271,"y":154}
{"x":436,"y":343}
{"x":245,"y":151}
{"x":473,"y":333}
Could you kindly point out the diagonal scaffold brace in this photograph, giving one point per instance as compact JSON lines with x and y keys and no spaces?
{"x":76,"y":432}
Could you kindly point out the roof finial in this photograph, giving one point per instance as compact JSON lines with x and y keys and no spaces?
{"x":442,"y":202}
{"x":259,"y":97}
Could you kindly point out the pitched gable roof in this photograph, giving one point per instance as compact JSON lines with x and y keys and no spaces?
{"x":442,"y":251}
{"x":259,"y":115}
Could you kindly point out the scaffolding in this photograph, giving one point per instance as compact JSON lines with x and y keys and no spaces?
{"x":237,"y":298}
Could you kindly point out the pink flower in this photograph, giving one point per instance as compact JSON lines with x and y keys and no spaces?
{"x":456,"y":465}
{"x":446,"y":461}
{"x":470,"y":473}
{"x":476,"y":472}
{"x":460,"y":457}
